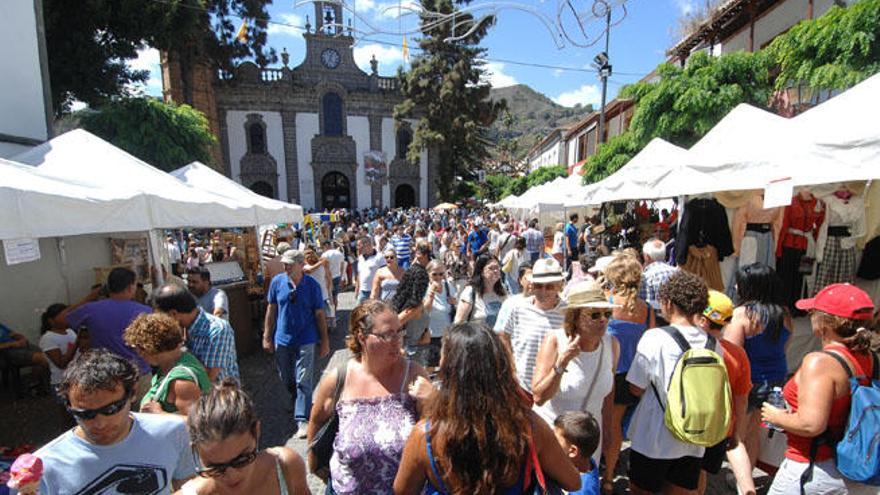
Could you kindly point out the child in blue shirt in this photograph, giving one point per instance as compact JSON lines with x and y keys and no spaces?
{"x":578,"y":434}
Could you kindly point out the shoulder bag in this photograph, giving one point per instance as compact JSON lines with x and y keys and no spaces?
{"x":322,"y":444}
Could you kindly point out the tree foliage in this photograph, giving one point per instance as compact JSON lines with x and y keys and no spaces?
{"x":165,"y":135}
{"x":546,"y":174}
{"x":684,"y":103}
{"x":446,"y":92}
{"x":834,"y":51}
{"x":89,"y":42}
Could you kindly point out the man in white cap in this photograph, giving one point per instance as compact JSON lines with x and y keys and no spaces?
{"x":528,"y":322}
{"x":295,"y":324}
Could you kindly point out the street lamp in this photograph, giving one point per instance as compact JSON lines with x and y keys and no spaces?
{"x":603,"y":65}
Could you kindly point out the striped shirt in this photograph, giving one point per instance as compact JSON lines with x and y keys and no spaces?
{"x":526,"y":327}
{"x":212,"y":341}
{"x":653,"y":276}
{"x":402,"y":247}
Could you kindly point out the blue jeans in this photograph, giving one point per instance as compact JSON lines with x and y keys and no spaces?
{"x":363,"y":296}
{"x":336,"y":282}
{"x":296,"y":367}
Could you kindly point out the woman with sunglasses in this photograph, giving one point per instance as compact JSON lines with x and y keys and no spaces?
{"x":482,"y":298}
{"x":574,"y":370}
{"x":376,"y":410}
{"x":225,"y":435}
{"x":388,"y":278}
{"x":628,"y":322}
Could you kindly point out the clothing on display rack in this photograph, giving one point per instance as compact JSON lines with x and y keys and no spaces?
{"x":836,"y":245}
{"x":703,"y":261}
{"x":704,"y":224}
{"x":796,"y":249}
{"x":755,"y":232}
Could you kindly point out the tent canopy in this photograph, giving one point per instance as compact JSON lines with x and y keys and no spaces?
{"x":39,"y":205}
{"x":83,"y":157}
{"x":638,"y":179}
{"x":269,"y":210}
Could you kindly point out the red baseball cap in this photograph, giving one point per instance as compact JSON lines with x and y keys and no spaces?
{"x":844,"y":300}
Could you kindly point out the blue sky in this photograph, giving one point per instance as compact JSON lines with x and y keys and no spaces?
{"x":638,"y":43}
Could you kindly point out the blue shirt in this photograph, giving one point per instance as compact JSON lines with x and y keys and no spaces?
{"x":476,"y":239}
{"x":107,"y":320}
{"x":5,"y":334}
{"x":295,"y":324}
{"x":571,"y":233}
{"x":402,"y":247}
{"x":212,"y":341}
{"x":589,"y":481}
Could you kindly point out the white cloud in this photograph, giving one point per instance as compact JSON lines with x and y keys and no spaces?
{"x":392,"y":10}
{"x":496,"y":77}
{"x":148,"y":59}
{"x":586,"y":94}
{"x":291,"y":25}
{"x":685,"y":7}
{"x":388,"y":56}
{"x":557,"y":72}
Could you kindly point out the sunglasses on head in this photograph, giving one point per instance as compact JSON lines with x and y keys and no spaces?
{"x":108,"y":410}
{"x":595,"y":315}
{"x":217,"y":470}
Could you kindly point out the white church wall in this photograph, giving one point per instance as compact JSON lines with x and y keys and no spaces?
{"x":306,"y":129}
{"x":359,"y":130}
{"x":235,"y":120}
{"x":389,"y":147}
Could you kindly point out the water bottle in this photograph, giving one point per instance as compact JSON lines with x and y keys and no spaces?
{"x":775,"y":399}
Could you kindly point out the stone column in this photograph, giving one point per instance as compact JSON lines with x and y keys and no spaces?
{"x":288,"y":128}
{"x":376,"y":144}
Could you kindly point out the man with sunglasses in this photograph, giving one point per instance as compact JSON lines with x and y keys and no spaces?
{"x":111,"y":449}
{"x":368,"y":263}
{"x":295,"y":323}
{"x":529,"y":321}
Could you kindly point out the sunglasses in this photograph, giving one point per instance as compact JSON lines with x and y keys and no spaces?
{"x":438,"y":274}
{"x":390,"y":336}
{"x":595,"y":315}
{"x":291,"y":296}
{"x":217,"y":470}
{"x":108,"y":410}
{"x":390,"y":258}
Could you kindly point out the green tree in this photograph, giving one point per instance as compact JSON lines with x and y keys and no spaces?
{"x":546,"y":174}
{"x":90,"y":42}
{"x":834,"y":51}
{"x":165,"y":135}
{"x":446,"y":92}
{"x":494,"y":187}
{"x":517,"y":186}
{"x":684,"y":104}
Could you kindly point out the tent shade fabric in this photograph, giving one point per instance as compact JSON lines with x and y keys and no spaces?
{"x":80,"y":156}
{"x":269,"y":211}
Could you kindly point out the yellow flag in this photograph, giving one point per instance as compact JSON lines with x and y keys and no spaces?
{"x":242,"y":32}
{"x":405,"y":51}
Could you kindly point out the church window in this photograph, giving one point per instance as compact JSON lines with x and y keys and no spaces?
{"x":256,"y":133}
{"x":404,"y":138}
{"x":332,"y":108}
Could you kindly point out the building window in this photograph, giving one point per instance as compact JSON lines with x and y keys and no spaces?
{"x":331,"y":105}
{"x":256,"y":137}
{"x":404,"y":138}
{"x":581,"y":147}
{"x":591,"y":143}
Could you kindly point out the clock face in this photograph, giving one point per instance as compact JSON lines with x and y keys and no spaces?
{"x":330,"y":58}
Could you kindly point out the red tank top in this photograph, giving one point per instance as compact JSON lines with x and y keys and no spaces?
{"x":798,"y":446}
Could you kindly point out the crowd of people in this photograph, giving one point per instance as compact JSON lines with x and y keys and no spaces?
{"x":486,"y":356}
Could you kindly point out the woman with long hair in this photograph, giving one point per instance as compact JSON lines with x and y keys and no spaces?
{"x":387,"y":278}
{"x":628,"y":322}
{"x":478,"y":430}
{"x":376,"y":410}
{"x":761,"y":326}
{"x":481,"y":299}
{"x":413,"y":306}
{"x":225,"y":436}
{"x":819,"y":394}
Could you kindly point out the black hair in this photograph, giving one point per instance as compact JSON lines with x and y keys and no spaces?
{"x":573,"y":217}
{"x":98,"y":369}
{"x":759,"y":291}
{"x":119,"y":279}
{"x":581,"y":429}
{"x":519,"y":243}
{"x":174,"y":297}
{"x":686,"y":291}
{"x":412,"y":288}
{"x":477,"y":278}
{"x":523,"y":267}
{"x":201,"y":271}
{"x":51,"y":312}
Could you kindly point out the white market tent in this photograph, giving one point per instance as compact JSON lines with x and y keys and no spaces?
{"x":39,"y":205}
{"x":269,"y":211}
{"x":83,"y":157}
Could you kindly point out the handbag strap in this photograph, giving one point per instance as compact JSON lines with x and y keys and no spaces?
{"x":535,"y":464}
{"x":167,"y":380}
{"x":341,"y":372}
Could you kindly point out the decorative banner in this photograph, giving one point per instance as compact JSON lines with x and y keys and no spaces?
{"x":132,"y":253}
{"x":21,"y":250}
{"x":375,"y":168}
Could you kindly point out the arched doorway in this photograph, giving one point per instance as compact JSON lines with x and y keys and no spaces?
{"x":263,"y":188}
{"x":404,"y":196}
{"x":335,"y":192}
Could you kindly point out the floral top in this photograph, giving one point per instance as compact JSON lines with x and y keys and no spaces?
{"x":370,"y":441}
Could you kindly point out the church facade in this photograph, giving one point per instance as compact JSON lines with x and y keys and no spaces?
{"x":321,"y":134}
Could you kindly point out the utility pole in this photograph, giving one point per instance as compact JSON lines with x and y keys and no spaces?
{"x":603,"y":64}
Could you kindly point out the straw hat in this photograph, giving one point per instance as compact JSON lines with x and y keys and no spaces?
{"x":587,"y":294}
{"x":546,"y":271}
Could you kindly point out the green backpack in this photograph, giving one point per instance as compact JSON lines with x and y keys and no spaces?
{"x":698,"y":409}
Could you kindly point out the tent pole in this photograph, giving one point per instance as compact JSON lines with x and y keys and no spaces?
{"x":65,"y":276}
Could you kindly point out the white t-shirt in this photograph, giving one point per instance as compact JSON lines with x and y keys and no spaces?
{"x":63,"y":342}
{"x":558,"y":240}
{"x":441,"y":309}
{"x":155,"y":452}
{"x":655,"y":359}
{"x":321,"y":278}
{"x":367,"y":268}
{"x":485,"y":308}
{"x":526,"y":326}
{"x":335,"y":259}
